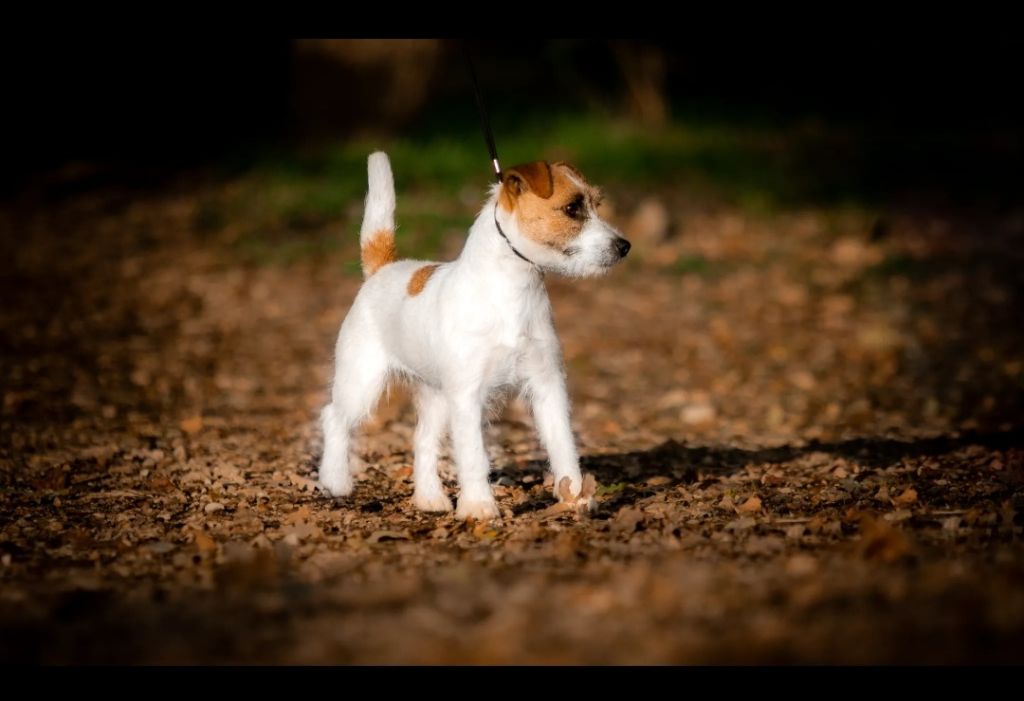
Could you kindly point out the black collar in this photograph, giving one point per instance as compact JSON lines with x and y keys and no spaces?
{"x":509,"y":242}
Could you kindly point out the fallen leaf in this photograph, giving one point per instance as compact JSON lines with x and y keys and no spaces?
{"x":750,"y":506}
{"x":301,"y":482}
{"x":898,"y":515}
{"x":555,"y":509}
{"x":192,"y":425}
{"x":795,"y":531}
{"x":627,"y":519}
{"x":379,"y":536}
{"x":160,"y":483}
{"x":882,"y":542}
{"x":741,"y":524}
{"x":816,"y":524}
{"x":113,"y":494}
{"x":697,"y":414}
{"x":801,"y":565}
{"x":908,"y":497}
{"x":306,"y":531}
{"x":582,"y":502}
{"x":204,"y":543}
{"x":484,"y":531}
{"x":159,"y":547}
{"x":300,"y":515}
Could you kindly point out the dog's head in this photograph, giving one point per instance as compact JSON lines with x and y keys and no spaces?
{"x":554,"y":220}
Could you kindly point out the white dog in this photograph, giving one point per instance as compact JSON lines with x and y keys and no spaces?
{"x":464,"y":329}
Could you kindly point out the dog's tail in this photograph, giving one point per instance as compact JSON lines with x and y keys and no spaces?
{"x":377,"y":237}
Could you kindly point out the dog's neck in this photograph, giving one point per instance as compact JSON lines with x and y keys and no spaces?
{"x":489,"y":255}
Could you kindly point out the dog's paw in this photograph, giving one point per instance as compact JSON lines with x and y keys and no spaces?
{"x":478,"y":509}
{"x":583,"y":502}
{"x":432,"y":502}
{"x":335,"y":486}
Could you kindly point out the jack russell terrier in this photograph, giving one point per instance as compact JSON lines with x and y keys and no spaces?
{"x":462,"y":330}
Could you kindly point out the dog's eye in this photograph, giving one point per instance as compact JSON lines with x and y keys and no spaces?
{"x":572,"y":210}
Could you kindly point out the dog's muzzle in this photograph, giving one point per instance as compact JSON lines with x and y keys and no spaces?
{"x":622,"y":246}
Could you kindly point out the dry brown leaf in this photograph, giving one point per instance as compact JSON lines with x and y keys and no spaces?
{"x":301,"y":482}
{"x":881,"y":542}
{"x":750,"y":506}
{"x":908,"y":497}
{"x":192,"y":425}
{"x":555,"y":509}
{"x":627,"y":519}
{"x":801,"y":565}
{"x":484,"y":531}
{"x":741,"y":524}
{"x":379,"y":536}
{"x":581,"y":503}
{"x":204,"y":543}
{"x":112,"y":494}
{"x":304,"y":531}
{"x":795,"y":531}
{"x":300,"y":515}
{"x":160,"y":483}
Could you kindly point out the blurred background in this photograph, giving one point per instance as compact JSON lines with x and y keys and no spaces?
{"x":802,"y":393}
{"x":878,"y":111}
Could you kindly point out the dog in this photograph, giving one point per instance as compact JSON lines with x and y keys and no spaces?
{"x":465,"y":329}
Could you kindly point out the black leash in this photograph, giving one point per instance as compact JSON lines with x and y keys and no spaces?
{"x":485,"y":122}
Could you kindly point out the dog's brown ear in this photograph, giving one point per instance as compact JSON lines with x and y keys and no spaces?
{"x":571,"y":168}
{"x":533,"y":177}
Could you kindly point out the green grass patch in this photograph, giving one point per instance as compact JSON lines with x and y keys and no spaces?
{"x":606,"y":489}
{"x":758,"y":166}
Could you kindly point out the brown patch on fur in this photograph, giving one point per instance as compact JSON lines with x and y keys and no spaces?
{"x":378,"y":251}
{"x":419,"y":279}
{"x":541,"y":218}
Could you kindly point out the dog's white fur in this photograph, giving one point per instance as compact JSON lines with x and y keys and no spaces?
{"x":483,"y":322}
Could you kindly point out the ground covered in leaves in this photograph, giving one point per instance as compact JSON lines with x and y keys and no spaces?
{"x":807,"y":429}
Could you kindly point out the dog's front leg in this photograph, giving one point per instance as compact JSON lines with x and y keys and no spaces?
{"x":551,"y":411}
{"x":475,"y":497}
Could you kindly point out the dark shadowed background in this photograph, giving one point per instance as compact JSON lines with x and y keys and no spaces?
{"x":928,"y":108}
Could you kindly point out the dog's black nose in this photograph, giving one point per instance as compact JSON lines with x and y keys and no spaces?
{"x":622,"y":246}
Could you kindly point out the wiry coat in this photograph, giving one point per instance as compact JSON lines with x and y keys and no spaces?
{"x":463,"y":329}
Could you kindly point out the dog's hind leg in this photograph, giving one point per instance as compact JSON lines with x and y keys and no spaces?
{"x":360,"y":374}
{"x":431,"y":424}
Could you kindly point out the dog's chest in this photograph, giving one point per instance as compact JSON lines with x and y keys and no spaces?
{"x":515,"y":337}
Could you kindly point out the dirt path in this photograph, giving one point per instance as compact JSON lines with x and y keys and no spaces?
{"x":810,"y":446}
